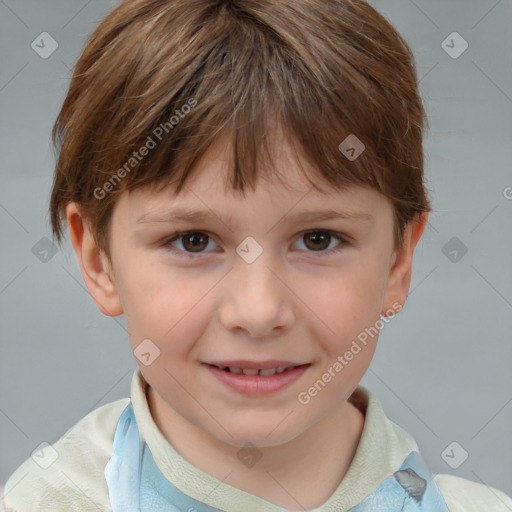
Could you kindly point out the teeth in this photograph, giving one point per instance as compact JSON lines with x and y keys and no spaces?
{"x":255,"y":371}
{"x":250,"y":371}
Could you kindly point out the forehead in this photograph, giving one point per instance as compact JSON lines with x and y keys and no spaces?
{"x":281,"y":190}
{"x":283,"y":168}
{"x":282,"y":173}
{"x":202,"y":205}
{"x":210,"y":183}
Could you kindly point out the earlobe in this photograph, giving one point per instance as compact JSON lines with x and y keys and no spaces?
{"x":94,"y":264}
{"x":399,"y":279}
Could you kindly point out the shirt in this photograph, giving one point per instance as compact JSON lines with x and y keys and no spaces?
{"x":68,"y":475}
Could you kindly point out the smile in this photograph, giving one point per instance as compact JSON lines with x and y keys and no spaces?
{"x":256,"y":379}
{"x":255,"y":371}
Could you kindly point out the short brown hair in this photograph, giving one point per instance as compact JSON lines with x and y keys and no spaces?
{"x":324,"y":69}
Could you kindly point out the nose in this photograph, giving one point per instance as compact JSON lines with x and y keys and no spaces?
{"x":257,"y":299}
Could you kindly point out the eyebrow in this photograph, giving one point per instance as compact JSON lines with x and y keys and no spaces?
{"x":194,"y":215}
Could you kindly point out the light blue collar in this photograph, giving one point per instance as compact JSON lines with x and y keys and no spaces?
{"x":135,"y":484}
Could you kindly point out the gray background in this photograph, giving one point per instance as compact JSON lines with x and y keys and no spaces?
{"x":442,"y":367}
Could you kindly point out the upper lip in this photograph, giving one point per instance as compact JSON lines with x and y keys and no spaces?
{"x":259,"y":365}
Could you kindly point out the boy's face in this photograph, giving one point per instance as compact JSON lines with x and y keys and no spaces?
{"x":297,"y":303}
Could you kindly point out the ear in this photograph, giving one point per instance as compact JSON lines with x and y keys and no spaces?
{"x":94,"y":264}
{"x":399,"y":279}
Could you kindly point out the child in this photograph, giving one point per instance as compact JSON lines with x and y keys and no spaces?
{"x":205,"y":146}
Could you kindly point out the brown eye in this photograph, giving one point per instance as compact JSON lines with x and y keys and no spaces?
{"x":317,"y":240}
{"x":194,"y":242}
{"x":323,"y":242}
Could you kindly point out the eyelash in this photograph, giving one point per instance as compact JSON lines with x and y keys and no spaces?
{"x":183,"y":254}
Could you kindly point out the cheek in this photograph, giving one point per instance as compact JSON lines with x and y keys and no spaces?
{"x":163,"y":305}
{"x":348,"y":300}
{"x":347,"y":308}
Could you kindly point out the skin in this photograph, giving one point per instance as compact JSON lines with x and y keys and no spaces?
{"x":291,"y":303}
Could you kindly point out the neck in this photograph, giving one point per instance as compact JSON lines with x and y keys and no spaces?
{"x":283,"y":475}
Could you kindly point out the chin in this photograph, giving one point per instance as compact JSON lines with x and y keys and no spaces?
{"x":258,"y":432}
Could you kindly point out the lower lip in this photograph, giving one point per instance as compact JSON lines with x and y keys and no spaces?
{"x":258,"y":385}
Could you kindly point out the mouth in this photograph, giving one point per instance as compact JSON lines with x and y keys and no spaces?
{"x":257,"y":378}
{"x":265,"y":368}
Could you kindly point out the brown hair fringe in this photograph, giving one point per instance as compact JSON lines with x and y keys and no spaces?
{"x":172,"y":76}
